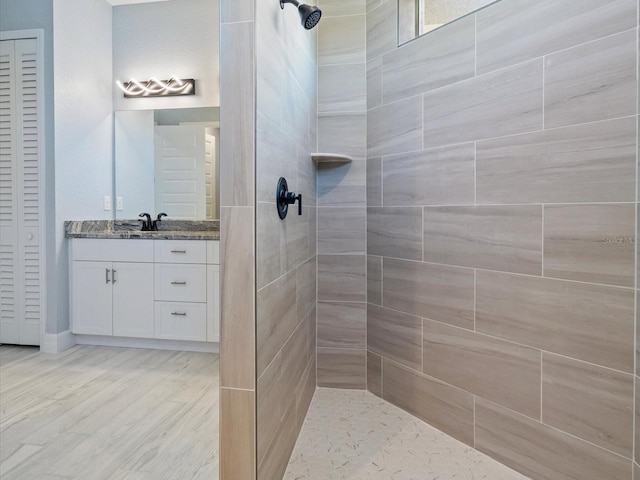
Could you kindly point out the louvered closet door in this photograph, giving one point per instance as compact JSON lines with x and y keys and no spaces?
{"x":20,"y":289}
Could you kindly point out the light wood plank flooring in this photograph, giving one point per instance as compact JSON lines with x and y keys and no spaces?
{"x":97,"y":413}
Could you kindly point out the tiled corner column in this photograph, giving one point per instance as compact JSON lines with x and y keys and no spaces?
{"x":342,"y":195}
{"x":501,"y":223}
{"x":237,"y":220}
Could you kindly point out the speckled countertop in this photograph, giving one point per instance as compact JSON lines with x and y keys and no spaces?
{"x":168,"y":229}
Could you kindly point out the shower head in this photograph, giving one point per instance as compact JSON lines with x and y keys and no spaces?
{"x":310,"y":16}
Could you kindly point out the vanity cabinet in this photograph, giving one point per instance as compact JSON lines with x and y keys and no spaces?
{"x":153,"y":289}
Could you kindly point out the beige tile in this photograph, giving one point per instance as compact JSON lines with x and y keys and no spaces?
{"x":236,"y":11}
{"x":374,"y":182}
{"x":395,"y":232}
{"x":539,"y":451}
{"x":237,"y":330}
{"x":590,"y":243}
{"x":296,"y":354}
{"x":448,"y":409}
{"x":277,"y":457}
{"x":440,"y":176}
{"x":512,"y":32}
{"x":269,"y":244}
{"x":592,"y":82}
{"x":313,"y":231}
{"x":374,"y":280}
{"x":343,"y":185}
{"x":276,"y":318}
{"x":395,"y":335}
{"x":276,"y":156}
{"x":295,"y":246}
{"x":237,"y":113}
{"x":336,"y":8}
{"x":305,"y":288}
{"x":341,"y":40}
{"x":374,"y":373}
{"x":270,"y":72}
{"x":343,"y":133}
{"x":237,"y":435}
{"x":394,"y":128}
{"x":588,"y":322}
{"x":500,"y":371}
{"x":342,"y":230}
{"x":374,"y":83}
{"x":305,"y":391}
{"x":272,"y":402}
{"x":586,"y":163}
{"x":371,"y":4}
{"x":342,"y":88}
{"x":342,"y":278}
{"x":636,"y":471}
{"x":438,"y":292}
{"x":296,"y":103}
{"x":417,"y":67}
{"x":493,"y":105}
{"x":590,"y":402}
{"x":637,"y":421}
{"x":505,"y":238}
{"x":382,"y":35}
{"x":342,"y":325}
{"x":307,"y":178}
{"x":342,"y":368}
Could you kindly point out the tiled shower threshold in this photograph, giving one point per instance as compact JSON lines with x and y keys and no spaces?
{"x":354,"y":435}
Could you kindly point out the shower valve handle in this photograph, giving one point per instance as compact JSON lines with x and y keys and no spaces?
{"x":284,"y":198}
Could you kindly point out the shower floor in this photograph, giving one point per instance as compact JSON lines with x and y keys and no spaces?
{"x":354,"y":435}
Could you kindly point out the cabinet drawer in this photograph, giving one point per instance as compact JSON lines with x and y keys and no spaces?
{"x":181,"y":321}
{"x":213,"y":252}
{"x":181,"y":251}
{"x":181,"y":283}
{"x":111,"y":250}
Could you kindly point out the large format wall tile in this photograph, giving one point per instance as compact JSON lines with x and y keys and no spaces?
{"x":338,"y":8}
{"x":342,"y":324}
{"x":237,"y":434}
{"x":374,"y":182}
{"x":277,"y":158}
{"x":395,"y":128}
{"x":374,"y":373}
{"x":590,"y":402}
{"x":342,"y":368}
{"x":395,"y":335}
{"x":305,"y":288}
{"x":492,"y":105}
{"x":541,"y":451}
{"x":395,"y":232}
{"x":343,"y":185}
{"x":438,"y":292}
{"x":416,"y":67}
{"x":277,"y":456}
{"x":343,"y":133}
{"x":505,"y":238}
{"x":342,"y":230}
{"x":374,"y":280}
{"x":514,"y":31}
{"x":591,"y":82}
{"x":342,"y":278}
{"x":341,"y":88}
{"x":382,"y":34}
{"x":440,"y":176}
{"x":589,"y":322}
{"x":442,"y":406}
{"x":636,"y":442}
{"x":374,"y":83}
{"x":269,"y":241}
{"x":500,"y":371}
{"x":590,"y":243}
{"x":341,"y":40}
{"x":586,"y":163}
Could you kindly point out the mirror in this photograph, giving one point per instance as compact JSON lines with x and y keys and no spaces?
{"x":417,"y":17}
{"x":167,"y":161}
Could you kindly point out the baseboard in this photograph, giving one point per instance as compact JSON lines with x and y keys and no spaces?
{"x":58,"y":342}
{"x":153,"y":343}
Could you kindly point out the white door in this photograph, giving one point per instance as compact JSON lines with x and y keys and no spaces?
{"x":20,"y":190}
{"x":92,"y":293}
{"x":179,"y":171}
{"x":133,"y":300}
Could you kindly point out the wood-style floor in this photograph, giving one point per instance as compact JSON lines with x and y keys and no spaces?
{"x":97,"y":413}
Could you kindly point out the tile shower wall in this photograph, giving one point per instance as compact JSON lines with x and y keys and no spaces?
{"x":342,"y":196}
{"x":501,"y":224}
{"x":286,"y":134}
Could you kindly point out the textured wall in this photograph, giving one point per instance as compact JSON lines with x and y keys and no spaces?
{"x":342,"y":195}
{"x":501,"y":222}
{"x":286,"y":134}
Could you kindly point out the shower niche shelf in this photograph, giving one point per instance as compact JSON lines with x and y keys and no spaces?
{"x":330,"y":158}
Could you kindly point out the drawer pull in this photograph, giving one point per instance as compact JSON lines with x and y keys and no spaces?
{"x":179,"y":314}
{"x":107,"y":275}
{"x":178,"y":251}
{"x":178,"y":283}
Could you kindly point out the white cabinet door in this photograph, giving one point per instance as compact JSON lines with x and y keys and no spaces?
{"x":91,"y":308}
{"x":133,"y":300}
{"x":181,"y":321}
{"x":213,"y":303}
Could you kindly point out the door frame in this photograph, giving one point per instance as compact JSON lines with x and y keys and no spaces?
{"x":38,"y":34}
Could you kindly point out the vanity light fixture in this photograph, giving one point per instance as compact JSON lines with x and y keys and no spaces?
{"x":158,"y":88}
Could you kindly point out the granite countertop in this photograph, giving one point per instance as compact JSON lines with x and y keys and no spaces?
{"x":168,"y":229}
